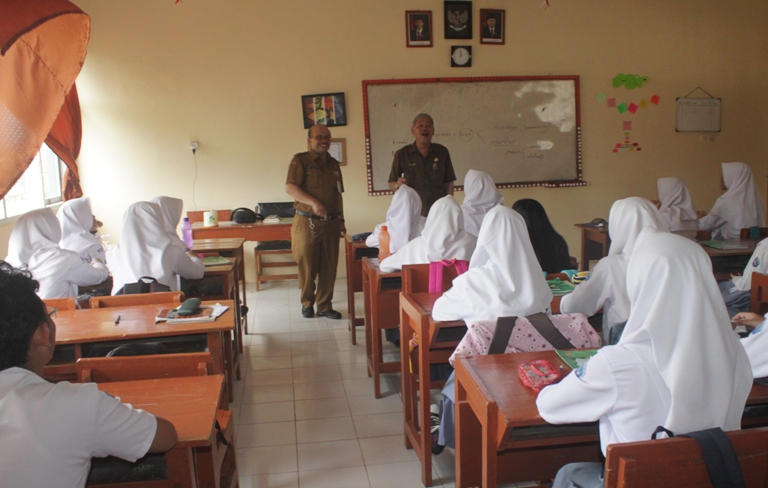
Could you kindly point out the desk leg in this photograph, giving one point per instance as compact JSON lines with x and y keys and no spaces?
{"x":368,"y":323}
{"x":241,"y":273}
{"x":424,"y":449}
{"x":468,"y":440}
{"x":406,"y":377}
{"x":181,"y":468}
{"x":221,"y":352}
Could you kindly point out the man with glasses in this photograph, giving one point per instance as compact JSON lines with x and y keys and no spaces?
{"x":50,"y":432}
{"x":314,"y":182}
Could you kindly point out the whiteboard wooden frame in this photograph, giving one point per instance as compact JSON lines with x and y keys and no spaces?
{"x":577,"y":181}
{"x":698,"y":114}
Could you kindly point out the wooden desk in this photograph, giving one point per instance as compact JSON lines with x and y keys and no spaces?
{"x":258,"y":231}
{"x":500,"y":436}
{"x":416,"y":322}
{"x":355,"y":251}
{"x":77,"y":331}
{"x":190,"y":404}
{"x":230,"y":247}
{"x":595,"y":243}
{"x":381,"y":292}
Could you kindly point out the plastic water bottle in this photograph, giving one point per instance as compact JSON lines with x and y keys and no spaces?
{"x":383,"y":243}
{"x":186,"y":232}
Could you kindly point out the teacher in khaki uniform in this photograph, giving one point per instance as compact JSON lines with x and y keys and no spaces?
{"x":424,"y":166}
{"x":314,"y":182}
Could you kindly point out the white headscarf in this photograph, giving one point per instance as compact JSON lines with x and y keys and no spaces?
{"x":144,"y":249}
{"x":504,"y":276}
{"x":627,"y":218}
{"x":442,"y":238}
{"x":480,"y":195}
{"x":172,"y":208}
{"x":404,"y":220}
{"x":741,"y":206}
{"x":34,"y":242}
{"x":677,"y":306}
{"x":676,"y":205}
{"x":76,"y":218}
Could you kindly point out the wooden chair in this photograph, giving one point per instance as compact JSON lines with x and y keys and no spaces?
{"x":62,"y":303}
{"x":678,"y":461}
{"x":139,"y":299}
{"x":274,"y":248}
{"x":222,"y":463}
{"x":197,"y":215}
{"x":744,"y":233}
{"x":758,"y":299}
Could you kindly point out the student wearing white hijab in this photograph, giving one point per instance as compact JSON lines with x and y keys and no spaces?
{"x":504,"y":276}
{"x":605,"y":287}
{"x":676,"y":205}
{"x":741,"y":206}
{"x":78,"y":229}
{"x":404,"y":221}
{"x":34,"y":243}
{"x":172,"y":208}
{"x":736,"y":291}
{"x":442,"y":238}
{"x":146,"y":250}
{"x":480,"y":195}
{"x":756,"y":343}
{"x":677,"y":365}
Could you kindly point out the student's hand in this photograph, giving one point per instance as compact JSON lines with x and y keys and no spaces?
{"x":657,"y":203}
{"x":735,"y":275}
{"x":701,"y":214}
{"x":343,"y":230}
{"x":95,"y":261}
{"x":746,"y":318}
{"x":319,"y":209}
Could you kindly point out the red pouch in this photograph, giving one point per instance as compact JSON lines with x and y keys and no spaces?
{"x":538,"y":374}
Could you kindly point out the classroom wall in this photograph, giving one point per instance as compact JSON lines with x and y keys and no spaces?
{"x":230,"y":75}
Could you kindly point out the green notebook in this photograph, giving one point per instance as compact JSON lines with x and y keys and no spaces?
{"x":723,"y":245}
{"x":560,"y":287}
{"x":576,"y":357}
{"x":215,"y":260}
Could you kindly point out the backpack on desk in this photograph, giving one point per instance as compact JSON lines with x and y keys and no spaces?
{"x":146,"y":284}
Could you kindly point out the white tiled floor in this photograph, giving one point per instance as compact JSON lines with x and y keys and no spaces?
{"x":304,"y":408}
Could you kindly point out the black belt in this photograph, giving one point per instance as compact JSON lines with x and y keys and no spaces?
{"x":317,"y":217}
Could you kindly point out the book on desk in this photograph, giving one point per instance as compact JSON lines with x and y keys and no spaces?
{"x":724,"y":245}
{"x":205,"y":314}
{"x":215,"y":260}
{"x":272,"y":219}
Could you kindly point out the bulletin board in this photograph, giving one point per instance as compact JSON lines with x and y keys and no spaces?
{"x":523,"y":131}
{"x":698,"y":114}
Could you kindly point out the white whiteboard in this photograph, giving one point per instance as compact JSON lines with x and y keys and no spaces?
{"x":698,"y":114}
{"x":523,"y":131}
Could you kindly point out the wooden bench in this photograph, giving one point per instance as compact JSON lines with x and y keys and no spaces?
{"x":678,"y":462}
{"x":758,"y":298}
{"x":138,"y":299}
{"x":744,"y":234}
{"x":61,"y":303}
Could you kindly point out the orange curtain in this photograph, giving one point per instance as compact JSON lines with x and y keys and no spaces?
{"x":64,"y":139}
{"x":42,"y":48}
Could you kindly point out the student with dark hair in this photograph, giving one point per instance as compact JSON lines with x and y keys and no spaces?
{"x":51,"y":431}
{"x":550,"y":247}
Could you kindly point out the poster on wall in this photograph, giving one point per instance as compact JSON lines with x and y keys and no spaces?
{"x":328,"y":109}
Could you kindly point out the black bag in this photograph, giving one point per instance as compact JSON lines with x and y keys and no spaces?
{"x":146,"y":284}
{"x":244,"y":215}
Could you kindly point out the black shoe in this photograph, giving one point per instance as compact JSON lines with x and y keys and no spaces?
{"x":434,"y":429}
{"x":331,"y":314}
{"x":308,"y":312}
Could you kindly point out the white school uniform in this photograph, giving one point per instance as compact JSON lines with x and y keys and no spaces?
{"x":676,"y":205}
{"x":504,"y":276}
{"x":442,"y":238}
{"x":738,"y":208}
{"x":606,"y":285}
{"x":480,"y":195}
{"x":146,"y":250}
{"x":172,"y":208}
{"x":54,"y":429}
{"x":76,"y":219}
{"x":756,"y":345}
{"x":404,"y":221}
{"x":34,"y":243}
{"x":758,"y":263}
{"x":658,"y":374}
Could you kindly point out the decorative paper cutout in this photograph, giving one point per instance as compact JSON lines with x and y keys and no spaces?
{"x":627,"y":145}
{"x":643,"y":103}
{"x":629,"y":81}
{"x":622,"y":107}
{"x":655,"y":99}
{"x":601,"y":97}
{"x":627,"y":125}
{"x":632,"y":107}
{"x":611,"y":102}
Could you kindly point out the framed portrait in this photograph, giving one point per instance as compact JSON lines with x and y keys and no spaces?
{"x":492,"y":26}
{"x":418,"y":28}
{"x":329,"y":109}
{"x":458,"y":19}
{"x":337,"y":150}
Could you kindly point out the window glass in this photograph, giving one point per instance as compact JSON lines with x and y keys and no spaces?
{"x":40,"y":185}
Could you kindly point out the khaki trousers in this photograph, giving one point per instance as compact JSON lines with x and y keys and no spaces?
{"x":317,"y":258}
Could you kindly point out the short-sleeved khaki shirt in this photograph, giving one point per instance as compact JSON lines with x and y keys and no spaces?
{"x":320,"y":177}
{"x":427,"y":175}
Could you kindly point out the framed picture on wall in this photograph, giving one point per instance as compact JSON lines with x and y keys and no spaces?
{"x":457,"y":16}
{"x":418,"y":28}
{"x":491,"y":26}
{"x":329,"y":109}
